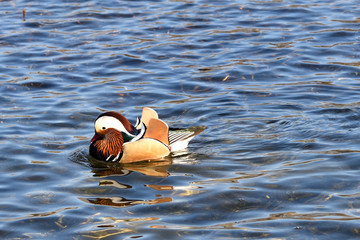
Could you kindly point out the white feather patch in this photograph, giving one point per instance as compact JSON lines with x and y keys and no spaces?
{"x":141,"y":134}
{"x":106,"y":122}
{"x":179,"y":139}
{"x":179,"y":145}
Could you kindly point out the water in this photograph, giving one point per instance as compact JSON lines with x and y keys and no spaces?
{"x":276,"y":84}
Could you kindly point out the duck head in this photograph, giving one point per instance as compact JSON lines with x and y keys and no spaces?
{"x":112,"y":130}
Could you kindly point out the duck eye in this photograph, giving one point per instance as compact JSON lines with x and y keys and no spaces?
{"x":103,"y":128}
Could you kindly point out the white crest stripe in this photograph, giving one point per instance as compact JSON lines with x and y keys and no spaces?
{"x":110,"y":122}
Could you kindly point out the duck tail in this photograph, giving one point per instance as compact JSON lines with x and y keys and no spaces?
{"x":180,"y":138}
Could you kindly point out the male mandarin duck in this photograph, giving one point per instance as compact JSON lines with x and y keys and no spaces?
{"x":116,"y":139}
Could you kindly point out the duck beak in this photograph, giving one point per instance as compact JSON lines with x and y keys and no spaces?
{"x":94,"y":138}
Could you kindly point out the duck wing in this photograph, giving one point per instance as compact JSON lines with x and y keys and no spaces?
{"x":146,"y":116}
{"x":159,"y":130}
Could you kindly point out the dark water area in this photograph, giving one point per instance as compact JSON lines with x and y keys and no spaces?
{"x":276,"y":83}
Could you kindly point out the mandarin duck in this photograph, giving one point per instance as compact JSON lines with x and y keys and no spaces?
{"x":116,"y":139}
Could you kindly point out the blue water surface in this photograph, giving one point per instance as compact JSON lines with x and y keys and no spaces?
{"x":276,"y":83}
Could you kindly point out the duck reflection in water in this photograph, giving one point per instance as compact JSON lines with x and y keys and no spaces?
{"x":106,"y":170}
{"x":111,"y":173}
{"x":123,"y":202}
{"x":150,"y":168}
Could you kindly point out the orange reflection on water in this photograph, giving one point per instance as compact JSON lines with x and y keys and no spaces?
{"x":123,"y":202}
{"x":151,"y":168}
